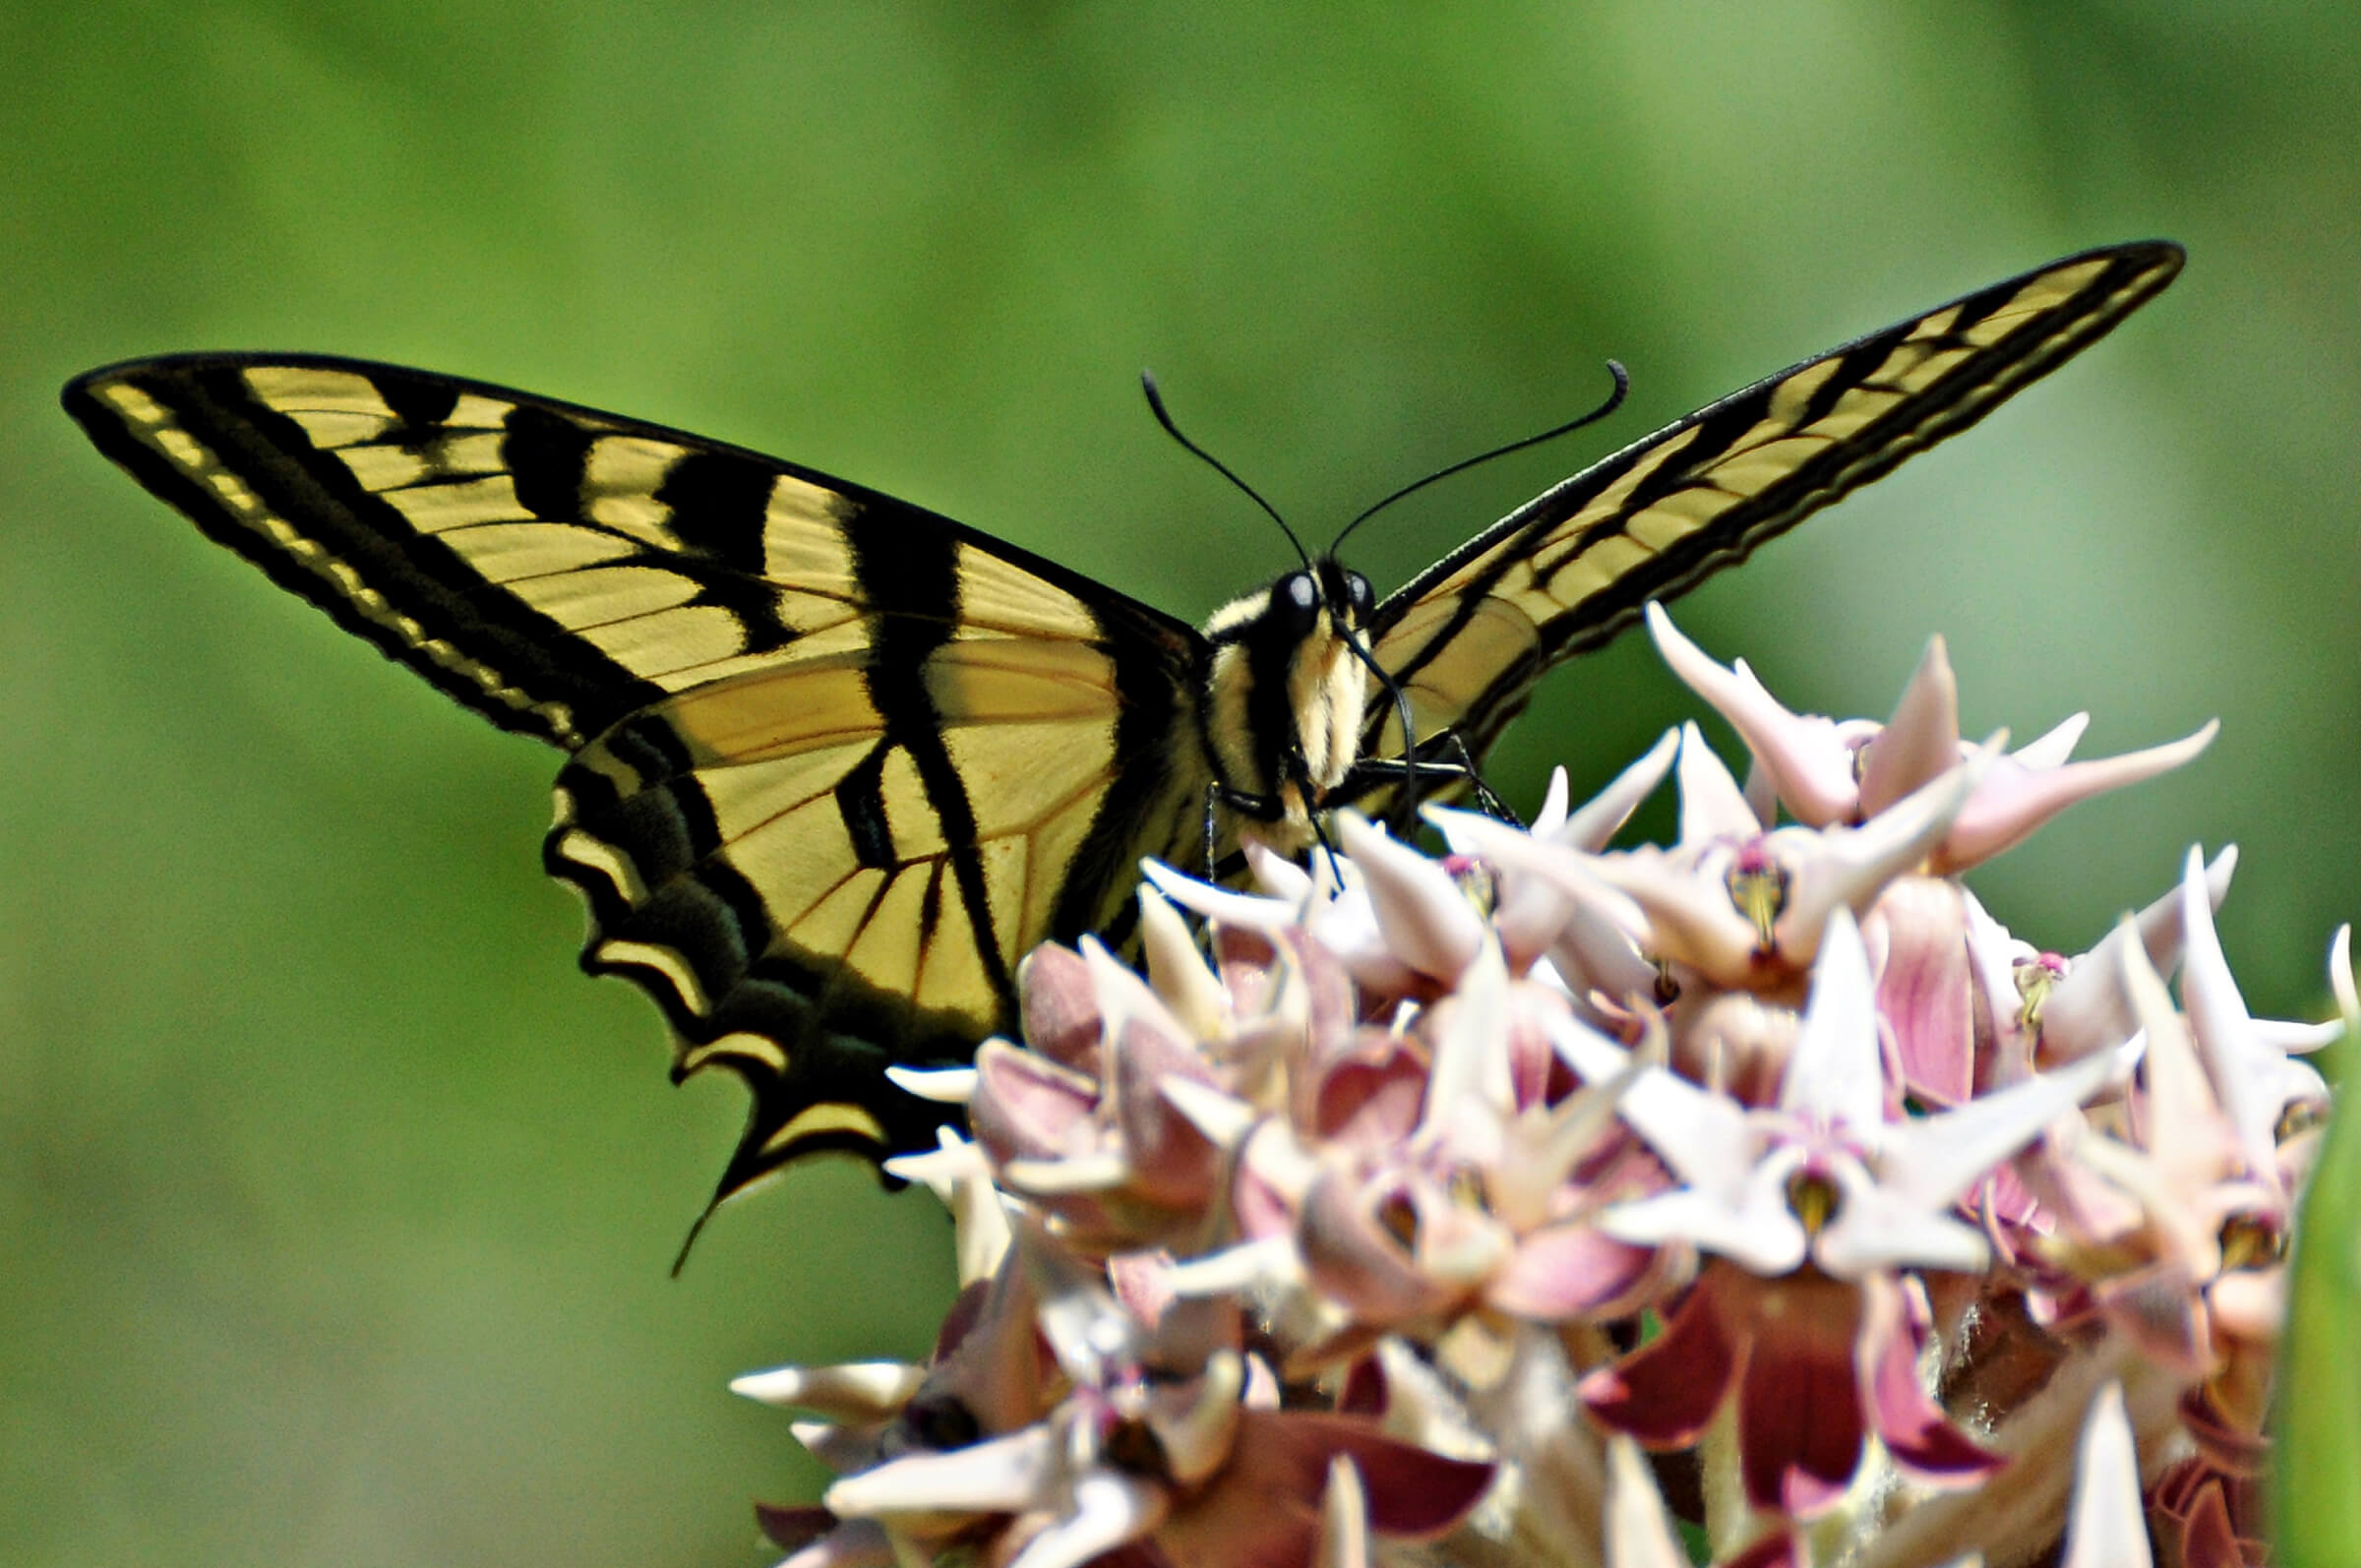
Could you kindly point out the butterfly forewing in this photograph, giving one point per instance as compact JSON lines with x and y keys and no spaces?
{"x":1468,"y":638}
{"x":340,"y":484}
{"x":838,"y":761}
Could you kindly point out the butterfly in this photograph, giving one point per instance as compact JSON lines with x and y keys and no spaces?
{"x":835,"y":762}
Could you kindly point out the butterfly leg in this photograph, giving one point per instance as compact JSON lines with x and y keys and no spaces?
{"x":1213,"y":841}
{"x":1259,"y":809}
{"x":1221,"y":796}
{"x":1302,"y":780}
{"x":1410,"y":776}
{"x":1486,"y":802}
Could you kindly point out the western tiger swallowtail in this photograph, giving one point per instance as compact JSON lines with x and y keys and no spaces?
{"x":834,"y":763}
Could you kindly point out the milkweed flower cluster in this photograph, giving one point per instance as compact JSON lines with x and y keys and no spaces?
{"x":1512,"y":1205}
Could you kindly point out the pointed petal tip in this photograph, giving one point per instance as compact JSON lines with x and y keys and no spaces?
{"x":1344,"y":1518}
{"x":951,"y":1086}
{"x":2106,"y":1525}
{"x":1423,"y":917}
{"x":1224,"y":1118}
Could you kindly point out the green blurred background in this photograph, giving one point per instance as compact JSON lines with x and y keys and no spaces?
{"x":335,"y":1208}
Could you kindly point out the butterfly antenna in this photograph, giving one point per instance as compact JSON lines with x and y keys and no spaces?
{"x":1147,"y":383}
{"x":1615,"y":401}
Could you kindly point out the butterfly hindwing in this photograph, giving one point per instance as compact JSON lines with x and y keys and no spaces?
{"x":1467,"y":639}
{"x":838,"y":761}
{"x":834,"y":851}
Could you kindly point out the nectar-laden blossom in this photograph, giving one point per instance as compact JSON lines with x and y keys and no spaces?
{"x":1822,"y":1202}
{"x":1825,"y":772}
{"x":1533,"y":1201}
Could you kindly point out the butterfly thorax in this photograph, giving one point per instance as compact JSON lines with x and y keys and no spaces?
{"x":1285,"y":694}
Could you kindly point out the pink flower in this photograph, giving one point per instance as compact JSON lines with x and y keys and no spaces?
{"x":1742,"y":908}
{"x":1426,"y":1173}
{"x":1825,"y":772}
{"x":1411,"y":1196}
{"x":1166,"y":1442}
{"x":1817,"y":1202}
{"x":1826,"y":1176}
{"x":1815,"y":1365}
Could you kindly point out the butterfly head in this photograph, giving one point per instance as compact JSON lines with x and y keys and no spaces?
{"x":1289,"y":684}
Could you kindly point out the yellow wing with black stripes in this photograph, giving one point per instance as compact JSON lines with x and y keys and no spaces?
{"x":1467,"y":639}
{"x":837,"y":762}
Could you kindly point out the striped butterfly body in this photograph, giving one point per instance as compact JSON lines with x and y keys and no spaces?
{"x":835,"y":762}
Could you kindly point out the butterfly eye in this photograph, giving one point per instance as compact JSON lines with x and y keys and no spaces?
{"x":1297,"y":599}
{"x":1356,"y":589}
